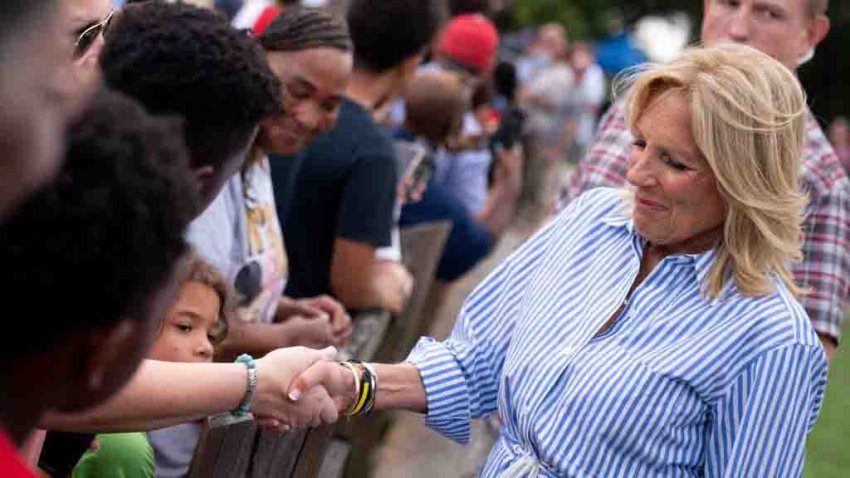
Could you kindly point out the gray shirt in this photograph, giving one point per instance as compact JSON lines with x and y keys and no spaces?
{"x":173,"y":448}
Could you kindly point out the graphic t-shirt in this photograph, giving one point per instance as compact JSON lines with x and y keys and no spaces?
{"x":239,"y":233}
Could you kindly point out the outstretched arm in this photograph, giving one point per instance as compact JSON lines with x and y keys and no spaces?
{"x":164,"y":393}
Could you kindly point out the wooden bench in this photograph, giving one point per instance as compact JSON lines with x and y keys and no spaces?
{"x":422,"y":246}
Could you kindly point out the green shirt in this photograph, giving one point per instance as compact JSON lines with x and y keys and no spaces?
{"x":121,"y":455}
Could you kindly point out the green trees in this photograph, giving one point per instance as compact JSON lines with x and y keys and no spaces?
{"x":826,"y":78}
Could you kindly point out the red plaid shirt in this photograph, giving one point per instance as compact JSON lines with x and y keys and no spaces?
{"x":825,"y":268}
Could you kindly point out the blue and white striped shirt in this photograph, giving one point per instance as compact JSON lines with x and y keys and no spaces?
{"x":680,"y":385}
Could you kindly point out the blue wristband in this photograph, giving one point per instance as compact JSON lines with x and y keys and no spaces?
{"x":245,"y":407}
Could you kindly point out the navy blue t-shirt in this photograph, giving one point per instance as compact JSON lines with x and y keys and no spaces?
{"x":468,"y":243}
{"x":345,"y":188}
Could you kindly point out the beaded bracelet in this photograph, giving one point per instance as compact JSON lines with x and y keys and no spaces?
{"x":245,"y":407}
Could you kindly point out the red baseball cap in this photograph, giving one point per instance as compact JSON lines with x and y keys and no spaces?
{"x":470,"y":40}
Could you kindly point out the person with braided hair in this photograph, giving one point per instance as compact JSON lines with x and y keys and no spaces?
{"x":310,"y":54}
{"x":344,"y":194}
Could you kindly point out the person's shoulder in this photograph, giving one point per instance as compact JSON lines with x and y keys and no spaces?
{"x":374,"y":146}
{"x":222,"y":206}
{"x":776,"y":319}
{"x":357,"y":126}
{"x":595,"y":207}
{"x":821,"y":170}
{"x":744,"y":330}
{"x":603,"y":202}
{"x":353,"y":129}
{"x":795,"y":318}
{"x":613,"y":133}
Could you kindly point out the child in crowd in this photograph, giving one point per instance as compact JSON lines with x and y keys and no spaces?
{"x":189,"y":332}
{"x":436,"y":102}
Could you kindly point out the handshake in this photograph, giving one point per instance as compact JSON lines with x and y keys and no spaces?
{"x":299,"y":386}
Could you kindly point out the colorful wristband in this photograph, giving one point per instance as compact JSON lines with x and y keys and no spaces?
{"x":368,"y":387}
{"x":245,"y":407}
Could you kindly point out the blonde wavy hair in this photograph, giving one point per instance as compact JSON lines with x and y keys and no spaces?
{"x":748,"y":119}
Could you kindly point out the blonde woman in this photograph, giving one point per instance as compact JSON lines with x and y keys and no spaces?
{"x":656,"y":335}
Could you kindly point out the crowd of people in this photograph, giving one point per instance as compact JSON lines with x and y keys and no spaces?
{"x":201,"y":199}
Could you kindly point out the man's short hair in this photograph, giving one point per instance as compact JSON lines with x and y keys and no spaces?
{"x":95,"y":246}
{"x":185,"y":60}
{"x":385,"y":33}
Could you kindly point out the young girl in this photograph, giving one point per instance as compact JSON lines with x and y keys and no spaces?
{"x":189,"y":332}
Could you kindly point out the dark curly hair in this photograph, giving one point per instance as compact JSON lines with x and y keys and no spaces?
{"x":186,"y":60}
{"x":96,"y":245}
{"x":299,"y":28}
{"x":385,"y":33}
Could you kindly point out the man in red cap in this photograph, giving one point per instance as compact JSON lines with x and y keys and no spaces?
{"x":459,"y":190}
{"x":469,"y":43}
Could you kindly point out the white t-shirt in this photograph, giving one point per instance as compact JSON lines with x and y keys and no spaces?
{"x":239,"y":233}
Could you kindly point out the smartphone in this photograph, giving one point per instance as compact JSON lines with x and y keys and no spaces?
{"x":416,"y":164}
{"x":509,"y":132}
{"x":408,"y":155}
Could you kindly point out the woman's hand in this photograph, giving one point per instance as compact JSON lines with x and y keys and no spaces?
{"x":334,"y":378}
{"x":399,"y":386}
{"x":275,"y":373}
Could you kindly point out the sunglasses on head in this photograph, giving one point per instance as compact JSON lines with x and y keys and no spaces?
{"x":89,"y":33}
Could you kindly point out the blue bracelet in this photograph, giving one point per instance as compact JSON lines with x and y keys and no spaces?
{"x":245,"y":407}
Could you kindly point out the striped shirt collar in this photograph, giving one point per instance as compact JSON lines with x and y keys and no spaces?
{"x":700,"y":262}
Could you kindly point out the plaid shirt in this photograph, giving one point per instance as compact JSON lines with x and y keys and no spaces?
{"x":825,"y":268}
